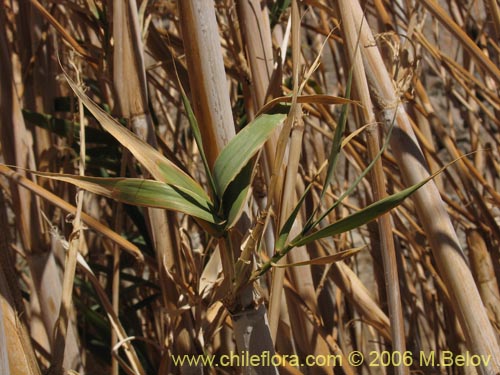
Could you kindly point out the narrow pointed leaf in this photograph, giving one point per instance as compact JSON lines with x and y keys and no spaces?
{"x":238,"y":206}
{"x":363,"y":216}
{"x":339,"y":131}
{"x":160,"y":167}
{"x":337,"y":140}
{"x":196,"y":134}
{"x":240,"y":150}
{"x":287,"y":227}
{"x":66,"y":128}
{"x":353,"y":221}
{"x":236,"y":195}
{"x":278,"y":8}
{"x":312,"y":224}
{"x":332,"y":159}
{"x":140,"y":192}
{"x":329,"y":259}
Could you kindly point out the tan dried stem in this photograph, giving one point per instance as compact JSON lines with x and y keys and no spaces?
{"x":440,"y":233}
{"x":387,"y":248}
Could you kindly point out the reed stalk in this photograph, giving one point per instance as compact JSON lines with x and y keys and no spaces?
{"x":441,"y":235}
{"x":232,"y":183}
{"x":387,"y":248}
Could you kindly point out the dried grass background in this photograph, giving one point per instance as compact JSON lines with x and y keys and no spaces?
{"x":152,"y":284}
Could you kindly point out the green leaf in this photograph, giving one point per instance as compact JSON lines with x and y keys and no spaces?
{"x":287,"y":227}
{"x":353,"y":221}
{"x":335,"y":151}
{"x":66,"y":128}
{"x":312,"y":224}
{"x":160,"y":167}
{"x":140,"y":192}
{"x":365,"y":215}
{"x":361,"y":217}
{"x":236,"y":195}
{"x":196,"y":134}
{"x":240,"y":150}
{"x":278,"y":8}
{"x":350,"y":222}
{"x":337,"y":140}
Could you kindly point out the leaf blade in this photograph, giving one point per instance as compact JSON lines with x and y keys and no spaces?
{"x":362,"y":216}
{"x":193,"y":122}
{"x":141,"y":192}
{"x":160,"y":167}
{"x":240,"y":150}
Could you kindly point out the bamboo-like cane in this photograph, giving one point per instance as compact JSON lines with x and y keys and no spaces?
{"x":282,"y":191}
{"x":213,"y":109}
{"x":132,"y":99}
{"x":16,"y":148}
{"x":378,"y":182}
{"x":441,"y":235}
